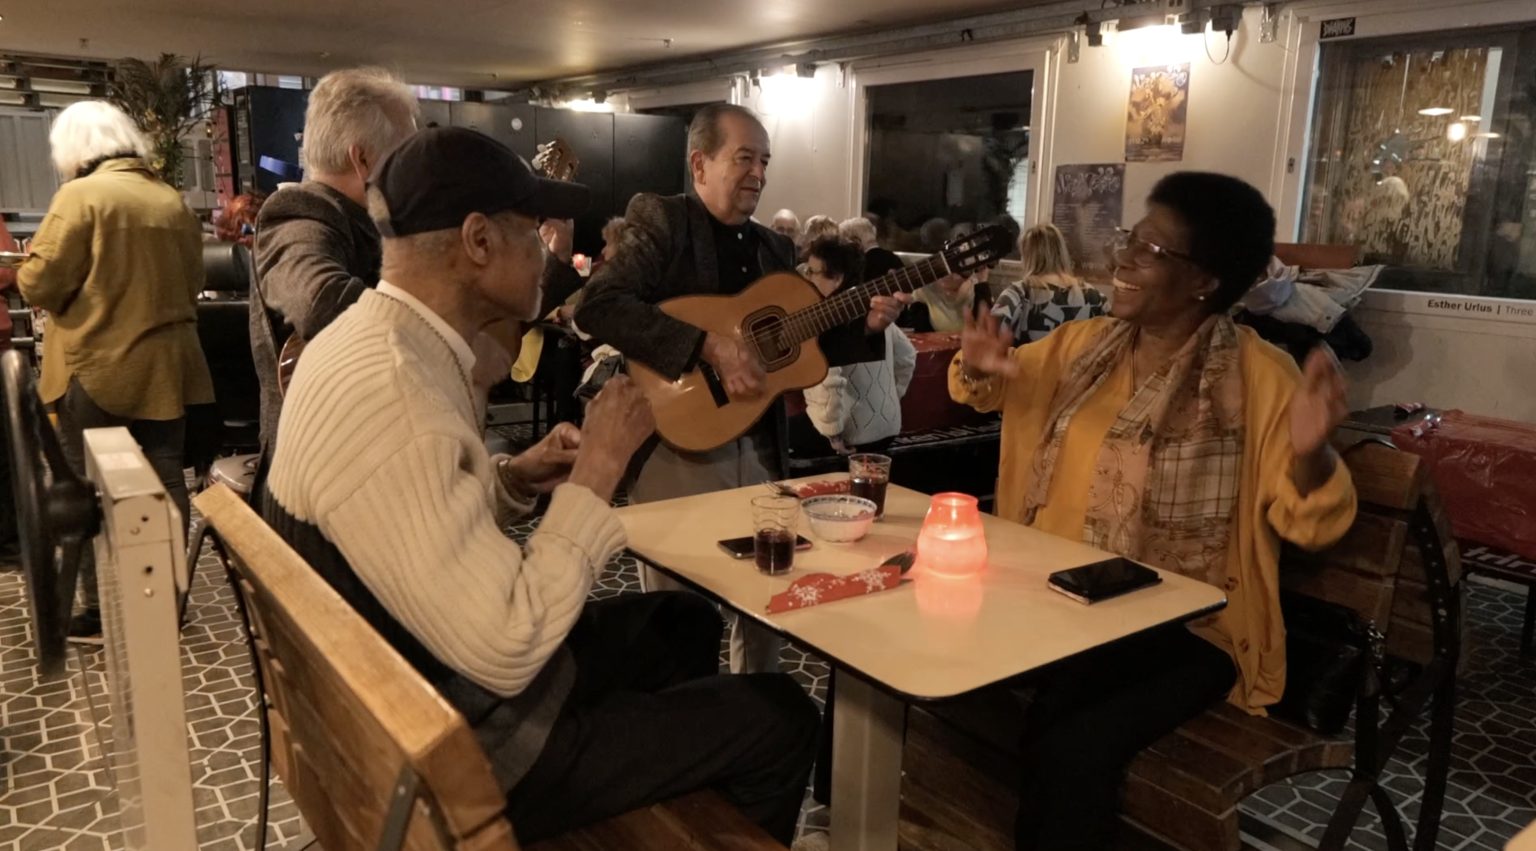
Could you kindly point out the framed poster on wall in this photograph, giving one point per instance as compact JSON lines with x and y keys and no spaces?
{"x":1087,"y":206}
{"x":1156,"y":114}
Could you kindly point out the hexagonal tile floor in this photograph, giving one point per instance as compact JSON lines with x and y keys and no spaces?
{"x":57,"y":788}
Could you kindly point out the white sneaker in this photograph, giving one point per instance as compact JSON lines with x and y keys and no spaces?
{"x":817,"y":841}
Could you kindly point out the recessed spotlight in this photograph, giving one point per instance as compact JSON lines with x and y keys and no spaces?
{"x":1471,"y":118}
{"x":1433,"y":111}
{"x":1456,"y":131}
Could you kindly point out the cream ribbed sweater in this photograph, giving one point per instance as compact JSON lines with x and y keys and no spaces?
{"x":380,"y":448}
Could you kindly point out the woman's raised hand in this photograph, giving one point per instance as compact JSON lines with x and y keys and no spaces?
{"x":984,"y":347}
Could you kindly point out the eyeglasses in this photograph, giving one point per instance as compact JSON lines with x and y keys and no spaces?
{"x":1142,"y":252}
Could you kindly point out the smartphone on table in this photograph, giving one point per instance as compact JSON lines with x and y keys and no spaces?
{"x":1102,"y":580}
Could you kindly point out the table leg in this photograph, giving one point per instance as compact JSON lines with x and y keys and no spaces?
{"x":867,"y":732}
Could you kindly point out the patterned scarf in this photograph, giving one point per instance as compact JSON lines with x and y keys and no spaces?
{"x":1165,"y":482}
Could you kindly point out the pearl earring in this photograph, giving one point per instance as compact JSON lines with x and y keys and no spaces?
{"x":1199,"y":298}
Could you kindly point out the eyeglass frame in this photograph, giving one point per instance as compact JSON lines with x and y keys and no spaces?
{"x":1126,"y":239}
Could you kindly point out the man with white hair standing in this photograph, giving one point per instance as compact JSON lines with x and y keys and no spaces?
{"x":316,"y":250}
{"x":117,"y":263}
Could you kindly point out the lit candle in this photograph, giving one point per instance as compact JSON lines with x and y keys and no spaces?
{"x":952,"y":541}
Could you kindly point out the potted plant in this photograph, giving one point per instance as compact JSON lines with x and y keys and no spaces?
{"x":166,"y":97}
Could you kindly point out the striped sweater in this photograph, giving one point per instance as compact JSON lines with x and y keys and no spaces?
{"x":379,"y":449}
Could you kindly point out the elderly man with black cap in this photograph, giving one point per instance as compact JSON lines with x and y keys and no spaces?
{"x":585,"y":709}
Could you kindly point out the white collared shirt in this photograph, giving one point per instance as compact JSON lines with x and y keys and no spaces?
{"x":460,"y":346}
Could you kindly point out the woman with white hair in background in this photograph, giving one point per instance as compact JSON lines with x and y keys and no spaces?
{"x":117,"y":263}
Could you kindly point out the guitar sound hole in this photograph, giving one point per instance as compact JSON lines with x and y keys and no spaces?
{"x":767,"y":333}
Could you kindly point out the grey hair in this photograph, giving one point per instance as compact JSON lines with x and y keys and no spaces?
{"x":368,"y":107}
{"x":859,"y":230}
{"x":89,"y":130}
{"x":704,"y":132}
{"x":819,"y":227}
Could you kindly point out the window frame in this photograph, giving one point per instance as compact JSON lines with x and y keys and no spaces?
{"x":1301,"y":75}
{"x":1038,"y":56}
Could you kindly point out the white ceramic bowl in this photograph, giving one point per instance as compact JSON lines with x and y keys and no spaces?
{"x":839,"y":518}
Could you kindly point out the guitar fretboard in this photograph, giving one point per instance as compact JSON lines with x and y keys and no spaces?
{"x":852,"y":304}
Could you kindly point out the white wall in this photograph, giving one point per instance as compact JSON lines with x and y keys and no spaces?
{"x":1233,"y":112}
{"x":1246,"y":117}
{"x":810,"y":129}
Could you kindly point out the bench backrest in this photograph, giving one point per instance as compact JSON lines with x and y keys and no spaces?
{"x":1377,"y":570}
{"x":351,"y":721}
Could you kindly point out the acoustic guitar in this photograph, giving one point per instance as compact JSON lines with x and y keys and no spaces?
{"x":556,"y":160}
{"x":778,"y":318}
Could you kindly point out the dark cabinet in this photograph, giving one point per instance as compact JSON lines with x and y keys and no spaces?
{"x":268,"y":124}
{"x":648,"y":156}
{"x":509,"y":124}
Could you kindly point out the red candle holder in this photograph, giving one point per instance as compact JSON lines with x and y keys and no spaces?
{"x":952,"y":541}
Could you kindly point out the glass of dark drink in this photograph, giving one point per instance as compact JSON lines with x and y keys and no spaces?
{"x":774,"y":521}
{"x":870,"y":475}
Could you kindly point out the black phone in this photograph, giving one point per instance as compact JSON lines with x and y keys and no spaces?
{"x":1103,"y":580}
{"x":742,"y":547}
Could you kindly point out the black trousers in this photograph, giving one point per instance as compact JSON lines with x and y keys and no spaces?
{"x":1092,"y":716}
{"x":650,"y":718}
{"x":162,"y":441}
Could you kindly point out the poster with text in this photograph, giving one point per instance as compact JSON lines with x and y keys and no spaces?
{"x":1156,"y":115}
{"x":1087,"y":206}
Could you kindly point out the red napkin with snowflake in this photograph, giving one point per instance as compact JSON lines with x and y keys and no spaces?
{"x":817,"y":588}
{"x":821,"y":487}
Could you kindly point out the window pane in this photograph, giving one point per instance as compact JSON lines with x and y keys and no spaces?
{"x":947,"y":155}
{"x":1421,"y":155}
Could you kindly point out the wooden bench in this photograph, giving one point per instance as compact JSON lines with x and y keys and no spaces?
{"x":372,"y":755}
{"x":1397,"y":569}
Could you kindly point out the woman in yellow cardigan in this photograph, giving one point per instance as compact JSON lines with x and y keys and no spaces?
{"x":117,"y":263}
{"x":1168,"y":434}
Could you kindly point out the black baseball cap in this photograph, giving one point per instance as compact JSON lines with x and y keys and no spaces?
{"x":442,"y":174}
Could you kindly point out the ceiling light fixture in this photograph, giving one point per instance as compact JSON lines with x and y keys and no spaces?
{"x":1436,"y":111}
{"x":1471,"y":118}
{"x":1456,"y":132}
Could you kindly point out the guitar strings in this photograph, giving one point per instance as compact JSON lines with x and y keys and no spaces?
{"x":812,"y":321}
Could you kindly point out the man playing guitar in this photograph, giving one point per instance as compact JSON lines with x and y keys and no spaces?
{"x":707,"y":243}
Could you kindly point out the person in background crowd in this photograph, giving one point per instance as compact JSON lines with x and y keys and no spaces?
{"x":1167,"y":434}
{"x":237,"y":221}
{"x":613,"y":234}
{"x":877,"y":261}
{"x":659,"y":258}
{"x":786,"y":223}
{"x":399,"y":507}
{"x":1048,"y":294}
{"x":118,"y":264}
{"x":944,"y":304}
{"x":857,"y":407}
{"x":931,"y":235}
{"x":816,"y":228}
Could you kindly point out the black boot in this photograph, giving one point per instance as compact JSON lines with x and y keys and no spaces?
{"x":85,"y":627}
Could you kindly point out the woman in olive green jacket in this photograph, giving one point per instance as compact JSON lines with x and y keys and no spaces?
{"x":117,"y":263}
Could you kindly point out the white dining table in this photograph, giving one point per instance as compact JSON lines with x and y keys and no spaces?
{"x":934,"y":637}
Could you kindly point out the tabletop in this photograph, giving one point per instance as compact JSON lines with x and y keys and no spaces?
{"x":934,"y":637}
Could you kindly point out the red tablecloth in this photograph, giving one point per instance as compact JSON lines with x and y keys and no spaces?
{"x":926,"y":405}
{"x":1485,"y":470}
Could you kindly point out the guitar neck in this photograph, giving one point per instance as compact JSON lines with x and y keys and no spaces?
{"x":852,"y":304}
